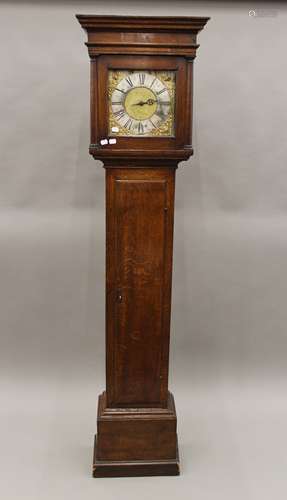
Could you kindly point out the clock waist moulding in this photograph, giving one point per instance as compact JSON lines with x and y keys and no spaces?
{"x":141,"y":128}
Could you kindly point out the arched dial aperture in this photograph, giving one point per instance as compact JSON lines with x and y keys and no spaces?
{"x":141,"y":103}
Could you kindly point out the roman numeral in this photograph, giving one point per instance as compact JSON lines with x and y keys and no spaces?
{"x":122,"y":91}
{"x":161,"y":91}
{"x":140,"y":128}
{"x":154,"y":126}
{"x":116,"y":102}
{"x":128,"y":124}
{"x":152,"y":82}
{"x":120,"y":113}
{"x":166,"y":103}
{"x":128,"y":80}
{"x":142,"y":78}
{"x":157,"y":116}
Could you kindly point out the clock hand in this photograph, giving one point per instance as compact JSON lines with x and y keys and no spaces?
{"x":150,"y":102}
{"x":140,"y":103}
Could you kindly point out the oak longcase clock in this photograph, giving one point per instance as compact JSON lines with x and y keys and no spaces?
{"x":141,"y":128}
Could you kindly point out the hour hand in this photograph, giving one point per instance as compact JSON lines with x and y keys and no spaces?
{"x":142,"y":103}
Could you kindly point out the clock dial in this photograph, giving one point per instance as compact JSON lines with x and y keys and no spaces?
{"x":141,"y":103}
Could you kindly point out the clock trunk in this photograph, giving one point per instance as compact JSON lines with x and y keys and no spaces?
{"x":139,"y":261}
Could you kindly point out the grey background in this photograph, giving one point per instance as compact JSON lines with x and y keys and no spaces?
{"x":228,"y":351}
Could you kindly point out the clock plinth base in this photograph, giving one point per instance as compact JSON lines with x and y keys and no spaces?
{"x":109,"y":468}
{"x":136,"y":441}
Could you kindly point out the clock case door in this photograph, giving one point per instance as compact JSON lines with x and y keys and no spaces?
{"x":144,"y":145}
{"x":139,"y":267}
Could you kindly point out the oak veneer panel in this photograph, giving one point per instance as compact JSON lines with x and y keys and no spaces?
{"x":137,"y":440}
{"x":141,"y":236}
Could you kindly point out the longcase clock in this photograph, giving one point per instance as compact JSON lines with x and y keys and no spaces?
{"x":141,"y":119}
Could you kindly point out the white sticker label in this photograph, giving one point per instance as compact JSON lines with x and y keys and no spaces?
{"x":104,"y":141}
{"x":112,"y":141}
{"x":115,"y":129}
